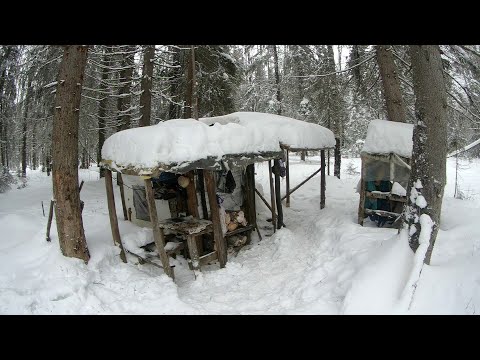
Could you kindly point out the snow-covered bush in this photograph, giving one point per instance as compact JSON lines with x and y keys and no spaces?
{"x":6,"y":179}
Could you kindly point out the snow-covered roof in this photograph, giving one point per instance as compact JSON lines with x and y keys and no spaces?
{"x":385,"y":137}
{"x":292,"y":133}
{"x":176,"y":144}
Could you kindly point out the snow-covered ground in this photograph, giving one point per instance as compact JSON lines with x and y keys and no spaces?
{"x":323,"y":262}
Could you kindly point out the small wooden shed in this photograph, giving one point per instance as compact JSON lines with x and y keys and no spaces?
{"x":203,"y":152}
{"x":385,"y":170}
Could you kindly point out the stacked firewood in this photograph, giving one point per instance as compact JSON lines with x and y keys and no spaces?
{"x":235,"y":219}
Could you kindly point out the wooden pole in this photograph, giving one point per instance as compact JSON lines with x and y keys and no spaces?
{"x":217,"y":227}
{"x":361,"y":205}
{"x":192,"y":204}
{"x":322,"y":179}
{"x":278,"y":196}
{"x":157,"y":232}
{"x":328,"y":162}
{"x":250,"y":210}
{"x":122,"y":195}
{"x":272,"y":196}
{"x":50,"y":217}
{"x":264,"y":201}
{"x":288,"y":179}
{"x":113,"y":214}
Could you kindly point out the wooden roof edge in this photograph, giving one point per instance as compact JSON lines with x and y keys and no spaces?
{"x":210,"y":163}
{"x":290,"y":148}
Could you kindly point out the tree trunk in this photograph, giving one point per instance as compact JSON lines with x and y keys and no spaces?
{"x":34,"y":146}
{"x":428,"y":174}
{"x":335,"y":113}
{"x":65,"y":153}
{"x":189,"y":90}
{"x":102,"y":109}
{"x":174,"y":110}
{"x":277,"y":80}
{"x":24,"y":126}
{"x":124,"y":100}
{"x":391,"y":84}
{"x":147,"y":76}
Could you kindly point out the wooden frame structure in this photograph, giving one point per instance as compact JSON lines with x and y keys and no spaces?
{"x":391,"y":158}
{"x":289,"y":191}
{"x":204,"y":168}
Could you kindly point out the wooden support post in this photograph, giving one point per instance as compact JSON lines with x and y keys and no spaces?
{"x":201,"y":189}
{"x":193,"y":250}
{"x":250,"y":210}
{"x":322,"y":179}
{"x":328,"y":162}
{"x":122,"y":195}
{"x":361,"y":204}
{"x":288,"y":179}
{"x":278,"y":196}
{"x":303,"y":182}
{"x":50,"y":217}
{"x":272,"y":196}
{"x":192,"y":205}
{"x":113,"y":214}
{"x":158,"y":236}
{"x":217,"y":227}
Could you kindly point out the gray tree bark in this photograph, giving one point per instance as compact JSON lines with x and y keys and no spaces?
{"x":71,"y":234}
{"x":102,"y":109}
{"x":124,"y":99}
{"x":429,"y":144}
{"x":391,"y":84}
{"x":147,"y":76}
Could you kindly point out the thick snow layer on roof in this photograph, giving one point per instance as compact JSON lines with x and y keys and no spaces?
{"x":294,"y":133}
{"x":183,"y":140}
{"x":385,"y":137}
{"x":187,"y":140}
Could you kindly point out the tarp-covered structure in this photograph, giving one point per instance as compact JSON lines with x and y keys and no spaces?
{"x":385,"y":170}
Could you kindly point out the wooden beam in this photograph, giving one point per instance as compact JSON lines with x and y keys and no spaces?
{"x":288,"y":178}
{"x":249,"y":194}
{"x":112,"y":212}
{"x":192,"y":203}
{"x":278,"y":196}
{"x":303,"y":182}
{"x":201,"y":189}
{"x":322,"y":179}
{"x":122,"y":195}
{"x":272,"y":196}
{"x":217,"y":227}
{"x":264,"y":201}
{"x":158,"y":236}
{"x":193,"y":251}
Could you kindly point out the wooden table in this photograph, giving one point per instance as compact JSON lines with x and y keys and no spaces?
{"x":189,"y":228}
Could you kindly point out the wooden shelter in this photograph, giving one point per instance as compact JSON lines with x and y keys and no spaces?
{"x":203,"y":152}
{"x":385,"y":171}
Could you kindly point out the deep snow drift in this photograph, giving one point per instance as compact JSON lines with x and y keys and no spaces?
{"x":321,"y":263}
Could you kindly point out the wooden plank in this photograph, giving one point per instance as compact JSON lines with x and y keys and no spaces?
{"x":205,"y":259}
{"x":217,"y":227}
{"x":386,"y":196}
{"x":112,"y":212}
{"x":303,"y":182}
{"x":382,"y":212}
{"x":201,"y":189}
{"x":278,"y":196}
{"x":361,"y":204}
{"x":144,"y":260}
{"x":249,"y":193}
{"x":322,"y":179}
{"x":158,"y":236}
{"x":272,"y":196}
{"x":122,"y":195}
{"x":192,"y":203}
{"x":50,"y":217}
{"x":288,"y":178}
{"x":239,"y":230}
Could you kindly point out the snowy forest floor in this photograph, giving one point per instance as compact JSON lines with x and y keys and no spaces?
{"x":322,"y":262}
